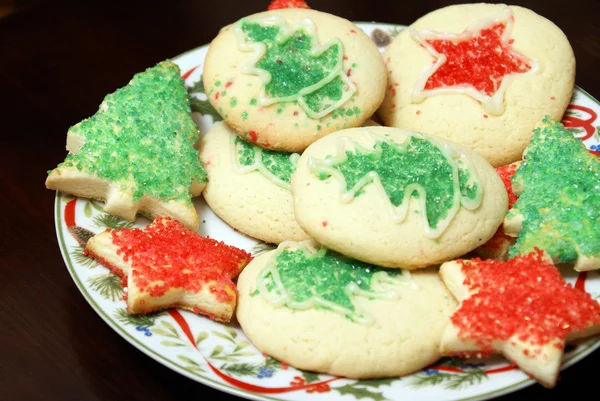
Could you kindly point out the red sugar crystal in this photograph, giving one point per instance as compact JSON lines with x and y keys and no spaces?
{"x":167,"y":255}
{"x":279,"y":4}
{"x":524,"y":296}
{"x":481,"y":61}
{"x":506,"y":173}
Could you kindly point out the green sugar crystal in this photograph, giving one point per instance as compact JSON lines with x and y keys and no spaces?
{"x":144,"y":134}
{"x":279,"y":164}
{"x":294,"y":68}
{"x":560,"y":196}
{"x":325,"y":280}
{"x":421,"y":163}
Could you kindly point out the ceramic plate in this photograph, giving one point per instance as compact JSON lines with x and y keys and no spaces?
{"x":219,"y":355}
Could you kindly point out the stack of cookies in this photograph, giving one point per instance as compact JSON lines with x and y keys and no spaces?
{"x":365,"y":214}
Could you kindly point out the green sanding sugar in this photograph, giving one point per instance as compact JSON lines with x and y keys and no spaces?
{"x":343,"y":112}
{"x":144,"y":133}
{"x":560,"y":197}
{"x":325,"y":275}
{"x":293,"y":67}
{"x":421,"y":163}
{"x":277,"y":163}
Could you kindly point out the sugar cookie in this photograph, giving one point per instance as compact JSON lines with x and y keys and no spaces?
{"x":481,"y":75}
{"x":558,"y":209}
{"x":284,"y":78}
{"x":396,"y":198}
{"x":166,"y":265}
{"x":320,"y":311}
{"x":249,"y":187}
{"x":521,"y":308}
{"x":137,"y":152}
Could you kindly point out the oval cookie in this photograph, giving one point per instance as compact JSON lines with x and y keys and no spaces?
{"x":482,"y":75}
{"x":396,"y":198}
{"x":284,"y":78}
{"x":320,"y":311}
{"x":249,"y":187}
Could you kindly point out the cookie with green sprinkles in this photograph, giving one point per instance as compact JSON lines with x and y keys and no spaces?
{"x":286,"y":77}
{"x":558,"y":209}
{"x":318,"y":310}
{"x":396,"y":198}
{"x":249,"y":187}
{"x":137,"y":152}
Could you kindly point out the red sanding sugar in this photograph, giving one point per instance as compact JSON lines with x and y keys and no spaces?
{"x":482,"y":61}
{"x":167,"y":255}
{"x":279,"y":4}
{"x":525,"y":296}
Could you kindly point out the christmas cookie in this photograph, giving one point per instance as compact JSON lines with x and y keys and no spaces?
{"x":396,"y":198}
{"x":165,"y":265}
{"x":284,"y":78}
{"x":481,"y":75}
{"x":497,"y":246}
{"x":320,"y":311}
{"x":249,"y":187}
{"x":558,"y":209}
{"x":137,"y":152}
{"x":521,"y":308}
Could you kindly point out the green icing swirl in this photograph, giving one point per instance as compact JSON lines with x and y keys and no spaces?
{"x":143,"y":136}
{"x":441,"y":179}
{"x":293,"y":66}
{"x":308,"y":278}
{"x":277,"y":167}
{"x":559,"y":197}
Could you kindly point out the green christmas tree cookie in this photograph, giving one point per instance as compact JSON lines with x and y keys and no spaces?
{"x":137,"y":152}
{"x":558,"y":209}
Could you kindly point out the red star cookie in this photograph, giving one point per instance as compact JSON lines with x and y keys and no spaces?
{"x":166,"y":265}
{"x":521,"y":308}
{"x":479,"y":62}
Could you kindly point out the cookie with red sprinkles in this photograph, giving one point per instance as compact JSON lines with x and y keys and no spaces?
{"x":467,"y":72}
{"x":166,"y":265}
{"x":521,"y":308}
{"x":497,"y":246}
{"x":279,"y":4}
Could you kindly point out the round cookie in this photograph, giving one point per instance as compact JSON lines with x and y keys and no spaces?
{"x":285,"y":78}
{"x":390,"y":325}
{"x":396,"y":198}
{"x":490,"y":106}
{"x":249,"y":187}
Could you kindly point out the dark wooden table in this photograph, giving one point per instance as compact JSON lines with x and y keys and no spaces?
{"x":56,"y":64}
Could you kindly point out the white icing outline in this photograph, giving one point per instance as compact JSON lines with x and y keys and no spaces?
{"x":399,"y":213}
{"x":493,"y":105}
{"x":285,"y":31}
{"x":280,"y":297}
{"x":257,"y":164}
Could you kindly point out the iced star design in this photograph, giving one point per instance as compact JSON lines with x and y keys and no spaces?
{"x":479,"y":62}
{"x":293,"y":66}
{"x":522,"y":308}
